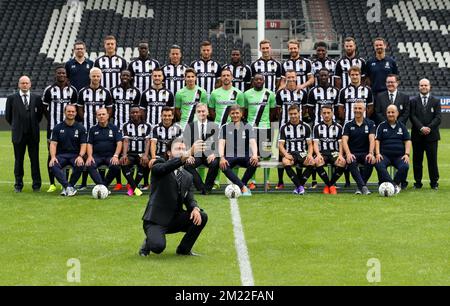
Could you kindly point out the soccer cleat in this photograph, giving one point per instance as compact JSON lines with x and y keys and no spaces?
{"x":333,"y":190}
{"x":326,"y":190}
{"x":313,"y":184}
{"x":118,"y":187}
{"x":216,"y":186}
{"x":63,"y":192}
{"x":130,"y":192}
{"x":252,"y":186}
{"x":246,"y":192}
{"x":70,"y":191}
{"x":300,"y":190}
{"x":128,"y":186}
{"x":52,"y":188}
{"x":145,"y":187}
{"x":137,"y":192}
{"x":295,"y":191}
{"x":279,"y":186}
{"x":358,"y":191}
{"x":81,"y":187}
{"x":365,"y":190}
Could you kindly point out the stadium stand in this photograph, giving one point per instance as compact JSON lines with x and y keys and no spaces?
{"x":417,"y":33}
{"x":37,"y":35}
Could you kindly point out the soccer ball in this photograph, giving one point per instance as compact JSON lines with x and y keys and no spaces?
{"x":232,"y":191}
{"x":100,"y":192}
{"x":386,"y":189}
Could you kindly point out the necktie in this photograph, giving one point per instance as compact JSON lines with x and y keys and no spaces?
{"x":202,"y":131}
{"x":392,"y":98}
{"x":25,"y":102}
{"x":424,"y":101}
{"x":179,"y":177}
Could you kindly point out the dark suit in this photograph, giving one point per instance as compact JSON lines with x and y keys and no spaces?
{"x":428,"y":116}
{"x":191,"y":134}
{"x":25,"y":133}
{"x":382,"y":101}
{"x":165,"y":214}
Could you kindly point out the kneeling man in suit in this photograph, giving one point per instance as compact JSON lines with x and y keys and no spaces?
{"x":171,"y":187}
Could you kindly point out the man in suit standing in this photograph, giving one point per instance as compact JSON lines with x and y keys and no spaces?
{"x":208,"y":133}
{"x":425,"y":118}
{"x":24,"y":112}
{"x":170,"y":189}
{"x":392,"y":96}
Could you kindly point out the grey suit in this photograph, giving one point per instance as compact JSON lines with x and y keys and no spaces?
{"x":211,"y":138}
{"x":165,"y":214}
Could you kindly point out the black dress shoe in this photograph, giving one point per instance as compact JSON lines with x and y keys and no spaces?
{"x":190,"y":253}
{"x":143,"y":251}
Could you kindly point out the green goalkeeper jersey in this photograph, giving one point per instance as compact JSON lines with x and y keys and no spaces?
{"x":258,"y":105}
{"x":221,"y":100}
{"x":186,"y":100}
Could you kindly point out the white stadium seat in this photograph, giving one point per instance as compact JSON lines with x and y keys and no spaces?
{"x":401,"y":47}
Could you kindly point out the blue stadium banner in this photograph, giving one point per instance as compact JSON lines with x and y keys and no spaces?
{"x":445,"y":104}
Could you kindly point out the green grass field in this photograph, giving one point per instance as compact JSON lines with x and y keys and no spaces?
{"x":291,"y":240}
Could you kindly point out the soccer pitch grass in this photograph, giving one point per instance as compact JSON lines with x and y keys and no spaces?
{"x":311,"y":240}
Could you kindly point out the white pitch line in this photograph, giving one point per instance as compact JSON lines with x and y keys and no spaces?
{"x":241,"y":246}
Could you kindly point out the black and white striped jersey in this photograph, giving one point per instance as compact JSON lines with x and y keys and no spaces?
{"x":111,"y":68}
{"x":270,"y":69}
{"x":152,"y":101}
{"x":55,"y":99}
{"x":344,"y":64}
{"x":302,"y":67}
{"x":319,"y":96}
{"x":122,"y":100}
{"x":329,"y":64}
{"x":242,"y":76}
{"x":295,"y":137}
{"x":350,"y":94}
{"x":285,"y":98}
{"x":142,"y":71}
{"x":163,"y":135}
{"x":136,"y":134}
{"x":208,"y":72}
{"x":328,"y":137}
{"x":174,"y":77}
{"x":91,"y":100}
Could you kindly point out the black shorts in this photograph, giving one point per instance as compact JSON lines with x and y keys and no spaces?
{"x":299,"y":158}
{"x":330,"y":157}
{"x":134,"y":159}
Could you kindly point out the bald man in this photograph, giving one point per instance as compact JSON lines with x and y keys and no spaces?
{"x":24,"y":112}
{"x":425,"y":118}
{"x":392,"y":148}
